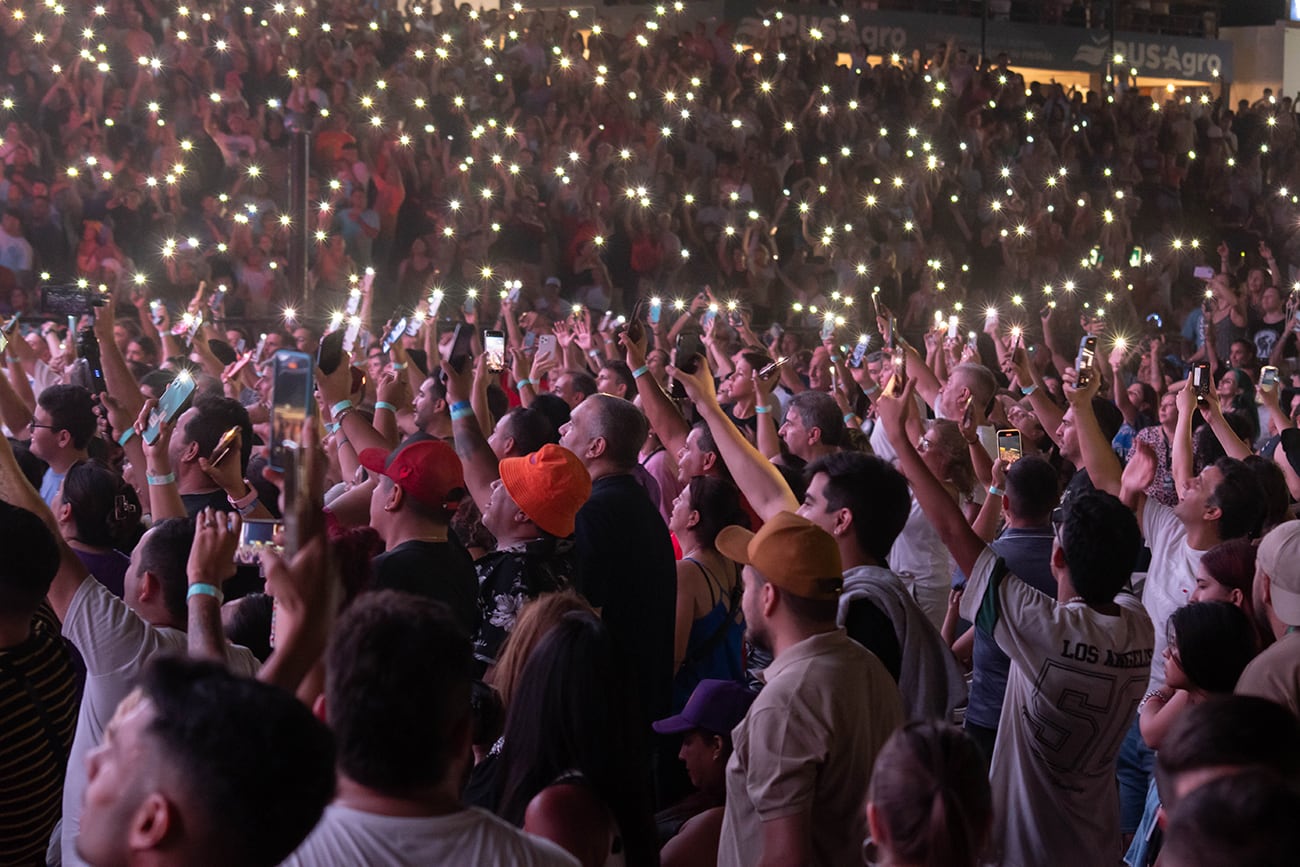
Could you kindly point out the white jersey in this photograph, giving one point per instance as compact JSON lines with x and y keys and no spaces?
{"x":1076,"y":678}
{"x":1171,"y":578}
{"x":469,"y":836}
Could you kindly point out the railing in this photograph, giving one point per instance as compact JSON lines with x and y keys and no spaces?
{"x":1193,"y":18}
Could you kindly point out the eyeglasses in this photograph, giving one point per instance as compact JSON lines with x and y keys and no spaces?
{"x":1058,"y":522}
{"x":32,"y":425}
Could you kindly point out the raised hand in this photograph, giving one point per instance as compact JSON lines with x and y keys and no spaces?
{"x":212,"y":556}
{"x":1140,"y":471}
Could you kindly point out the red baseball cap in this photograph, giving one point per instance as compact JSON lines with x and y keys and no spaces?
{"x":428,"y":471}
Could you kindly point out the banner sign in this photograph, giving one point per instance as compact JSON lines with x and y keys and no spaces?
{"x":1068,"y":48}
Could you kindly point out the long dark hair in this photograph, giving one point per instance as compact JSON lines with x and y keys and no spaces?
{"x":105,"y":509}
{"x":1215,"y":642}
{"x":717,"y":501}
{"x":571,"y":712}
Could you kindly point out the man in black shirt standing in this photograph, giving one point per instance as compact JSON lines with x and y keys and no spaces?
{"x":420,"y":486}
{"x":625,"y":557}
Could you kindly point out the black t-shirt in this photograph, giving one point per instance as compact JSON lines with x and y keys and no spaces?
{"x":442,"y":571}
{"x":626,"y":568}
{"x":866,"y":624}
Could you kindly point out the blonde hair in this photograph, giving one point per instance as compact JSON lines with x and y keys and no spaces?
{"x":945,"y":437}
{"x":535,"y":620}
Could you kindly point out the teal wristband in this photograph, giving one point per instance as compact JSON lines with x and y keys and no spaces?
{"x":331,"y":427}
{"x":205,"y":590}
{"x":464,"y":412}
{"x":849,"y":417}
{"x":383,"y":404}
{"x":519,"y":386}
{"x":1028,"y":390}
{"x":460,"y":404}
{"x":161,"y":480}
{"x":341,"y":406}
{"x":398,"y":365}
{"x":996,"y":491}
{"x":641,"y":371}
{"x":126,"y":436}
{"x":762,"y":409}
{"x":835,"y":359}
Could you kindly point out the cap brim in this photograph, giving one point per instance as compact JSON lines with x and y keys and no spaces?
{"x":373,"y":459}
{"x":1285,"y":604}
{"x":733,"y":542}
{"x":673,"y":725}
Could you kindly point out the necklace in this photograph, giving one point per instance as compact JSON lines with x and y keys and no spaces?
{"x":1074,"y":599}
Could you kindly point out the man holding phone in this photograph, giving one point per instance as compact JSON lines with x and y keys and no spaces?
{"x":198,"y":431}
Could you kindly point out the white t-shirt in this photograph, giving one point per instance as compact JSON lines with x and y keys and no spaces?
{"x":1171,"y":578}
{"x":472,"y":836}
{"x":922,"y":562}
{"x":116,"y":643}
{"x":1076,"y":678}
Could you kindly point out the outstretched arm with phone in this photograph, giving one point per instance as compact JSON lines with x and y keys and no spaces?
{"x":335,"y":387}
{"x":164,"y":496}
{"x":769,"y":438}
{"x":1099,"y":459}
{"x":306,"y":585}
{"x":476,"y":456}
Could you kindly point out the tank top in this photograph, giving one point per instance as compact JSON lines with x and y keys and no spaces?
{"x":709,"y":658}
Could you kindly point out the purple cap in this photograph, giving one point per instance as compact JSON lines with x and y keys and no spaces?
{"x":717,"y":706}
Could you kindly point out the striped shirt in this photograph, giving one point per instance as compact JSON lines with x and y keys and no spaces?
{"x":38,"y":714}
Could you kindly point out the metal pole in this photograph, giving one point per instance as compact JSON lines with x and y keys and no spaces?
{"x":1110,"y":55}
{"x":299,"y":214}
{"x":984,"y":31}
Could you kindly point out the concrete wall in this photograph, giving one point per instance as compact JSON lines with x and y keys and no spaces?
{"x":1264,"y":57}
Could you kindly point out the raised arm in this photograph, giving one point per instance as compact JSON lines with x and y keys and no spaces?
{"x":1182,"y":464}
{"x":664,"y":417}
{"x":939,"y":507}
{"x":117,"y":376}
{"x":1026,"y":378}
{"x":335,"y":390}
{"x":1099,"y":459}
{"x":14,"y":411}
{"x":212,"y":561}
{"x":760,"y":481}
{"x":476,"y":456}
{"x":164,"y":497}
{"x":1232,"y":444}
{"x":17,"y":491}
{"x":989,"y":520}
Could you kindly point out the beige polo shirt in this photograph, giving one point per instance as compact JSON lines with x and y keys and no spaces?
{"x":1275,"y":674}
{"x":807,"y":746}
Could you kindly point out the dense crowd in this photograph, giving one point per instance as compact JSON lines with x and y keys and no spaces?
{"x":678,"y":450}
